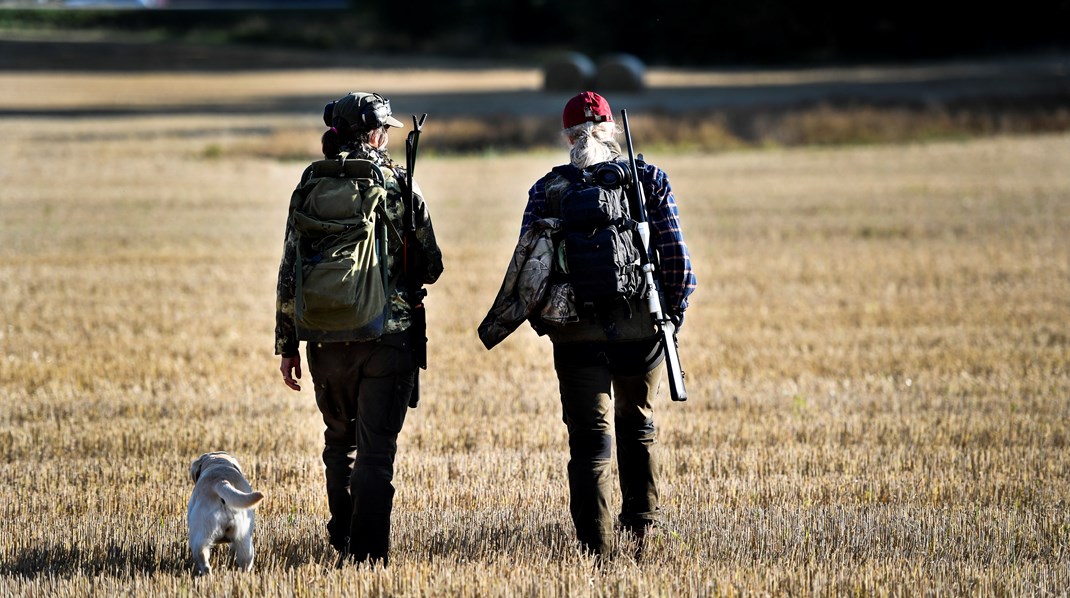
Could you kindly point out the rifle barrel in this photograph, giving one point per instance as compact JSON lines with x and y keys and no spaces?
{"x":655,"y":300}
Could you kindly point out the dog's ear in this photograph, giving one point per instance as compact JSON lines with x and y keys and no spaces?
{"x":233,"y":462}
{"x":195,"y":468}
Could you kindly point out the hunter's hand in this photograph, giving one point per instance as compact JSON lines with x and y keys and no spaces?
{"x":291,"y":369}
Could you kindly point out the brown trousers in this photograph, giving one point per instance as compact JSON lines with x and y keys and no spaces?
{"x":595,"y":380}
{"x":362,"y":390}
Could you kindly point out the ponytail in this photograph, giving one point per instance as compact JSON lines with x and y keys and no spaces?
{"x":592,"y":143}
{"x":331,"y":142}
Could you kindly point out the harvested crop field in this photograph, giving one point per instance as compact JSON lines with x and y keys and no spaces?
{"x":878,"y":358}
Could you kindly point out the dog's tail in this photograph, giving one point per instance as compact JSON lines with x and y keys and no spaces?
{"x":232,"y":497}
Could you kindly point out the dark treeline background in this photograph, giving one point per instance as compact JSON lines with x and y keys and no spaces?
{"x":682,"y":32}
{"x":764,"y":31}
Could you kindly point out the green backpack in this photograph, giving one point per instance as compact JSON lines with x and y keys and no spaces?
{"x":340,"y":267}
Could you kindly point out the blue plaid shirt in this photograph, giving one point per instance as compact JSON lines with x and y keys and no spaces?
{"x":677,"y":279}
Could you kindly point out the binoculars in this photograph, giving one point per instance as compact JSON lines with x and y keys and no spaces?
{"x":611,"y":175}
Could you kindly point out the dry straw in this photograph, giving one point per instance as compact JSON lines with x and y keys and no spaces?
{"x":877,"y":357}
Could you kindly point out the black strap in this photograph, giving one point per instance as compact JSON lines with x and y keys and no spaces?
{"x":570,"y":172}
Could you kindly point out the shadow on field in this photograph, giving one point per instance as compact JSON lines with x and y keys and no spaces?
{"x":996,"y":91}
{"x":487,"y":540}
{"x":113,"y":558}
{"x":1005,"y":79}
{"x":706,"y":109}
{"x":173,"y":559}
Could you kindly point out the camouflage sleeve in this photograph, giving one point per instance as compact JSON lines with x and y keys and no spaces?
{"x":425,"y":235}
{"x":286,"y":343}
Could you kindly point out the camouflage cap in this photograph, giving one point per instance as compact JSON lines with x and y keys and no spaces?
{"x":361,"y":111}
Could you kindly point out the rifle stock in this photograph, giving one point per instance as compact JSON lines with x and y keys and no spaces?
{"x":654,"y":296}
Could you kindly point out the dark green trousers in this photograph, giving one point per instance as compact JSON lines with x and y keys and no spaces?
{"x":362,"y":390}
{"x":597,"y":382}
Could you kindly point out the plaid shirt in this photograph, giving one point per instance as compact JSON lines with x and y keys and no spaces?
{"x":677,"y":279}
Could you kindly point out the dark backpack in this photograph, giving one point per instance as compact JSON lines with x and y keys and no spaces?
{"x":600,"y":241}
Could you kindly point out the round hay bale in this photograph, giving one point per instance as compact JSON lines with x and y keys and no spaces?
{"x":569,"y":72}
{"x":620,"y":72}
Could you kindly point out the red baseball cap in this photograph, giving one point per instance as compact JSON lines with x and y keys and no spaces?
{"x":586,"y":107}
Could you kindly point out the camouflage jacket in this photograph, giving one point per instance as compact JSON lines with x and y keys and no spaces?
{"x":526,"y":285}
{"x":399,"y":319}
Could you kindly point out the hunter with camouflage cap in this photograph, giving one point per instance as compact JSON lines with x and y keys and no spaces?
{"x":362,"y":386}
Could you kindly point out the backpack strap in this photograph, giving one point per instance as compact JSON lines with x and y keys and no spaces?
{"x":351,"y":168}
{"x":570,"y":172}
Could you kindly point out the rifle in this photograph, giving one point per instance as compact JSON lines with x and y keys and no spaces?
{"x":649,"y":260}
{"x":411,"y":262}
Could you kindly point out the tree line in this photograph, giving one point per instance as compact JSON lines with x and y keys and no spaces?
{"x":670,"y":32}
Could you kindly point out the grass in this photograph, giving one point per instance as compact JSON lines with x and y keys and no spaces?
{"x":877,"y":357}
{"x":261,"y":105}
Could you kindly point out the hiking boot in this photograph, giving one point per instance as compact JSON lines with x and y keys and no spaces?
{"x":347,"y":558}
{"x":344,"y":557}
{"x":635,"y":539}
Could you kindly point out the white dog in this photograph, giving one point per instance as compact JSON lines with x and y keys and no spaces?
{"x":220,"y":510}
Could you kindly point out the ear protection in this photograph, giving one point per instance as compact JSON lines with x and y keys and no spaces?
{"x":373,"y":114}
{"x":328,"y":113}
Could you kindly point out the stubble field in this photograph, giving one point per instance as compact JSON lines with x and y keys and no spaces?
{"x":877,"y":355}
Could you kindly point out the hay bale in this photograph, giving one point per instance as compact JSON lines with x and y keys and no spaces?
{"x":620,"y":72}
{"x":572,"y":72}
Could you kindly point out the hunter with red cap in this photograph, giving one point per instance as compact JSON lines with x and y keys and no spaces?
{"x":606,"y":349}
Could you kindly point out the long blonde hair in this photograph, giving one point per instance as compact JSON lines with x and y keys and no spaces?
{"x":592,"y":143}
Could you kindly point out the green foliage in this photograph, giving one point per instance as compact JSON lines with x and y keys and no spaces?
{"x":212,"y":151}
